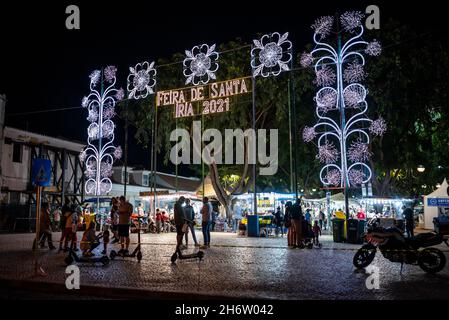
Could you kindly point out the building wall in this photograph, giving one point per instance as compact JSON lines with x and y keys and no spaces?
{"x":16,"y":175}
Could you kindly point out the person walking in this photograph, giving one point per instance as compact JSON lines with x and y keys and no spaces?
{"x":45,"y":227}
{"x":297,"y":217}
{"x":180,"y":222}
{"x":206,"y":212}
{"x":189,"y":214}
{"x":125,"y":211}
{"x":409,"y":221}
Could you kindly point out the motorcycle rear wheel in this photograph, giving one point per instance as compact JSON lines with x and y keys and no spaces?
{"x":431,"y":260}
{"x":364,"y":256}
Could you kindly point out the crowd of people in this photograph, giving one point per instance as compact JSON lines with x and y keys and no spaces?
{"x":299,"y":221}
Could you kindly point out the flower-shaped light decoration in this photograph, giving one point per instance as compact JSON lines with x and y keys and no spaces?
{"x":354,"y":94}
{"x":325,"y":76}
{"x":351,"y":20}
{"x":359,"y":152}
{"x":306,"y":59}
{"x":308,"y":134}
{"x":326,"y":99}
{"x":354,"y":72}
{"x":118,"y":153}
{"x":95,"y":77}
{"x":120,"y":94}
{"x":356,"y":177}
{"x":327,"y":153}
{"x":109,"y":73}
{"x":333,"y":177}
{"x":141,"y":80}
{"x":339,"y":69}
{"x":100,"y":151}
{"x":109,"y":113}
{"x":108,"y":129}
{"x":271,"y":55}
{"x":378,"y":127}
{"x":93,"y":115}
{"x":373,"y":48}
{"x":323,"y":26}
{"x":106,"y":169}
{"x":85,"y":102}
{"x":82,"y":156}
{"x":200,"y":64}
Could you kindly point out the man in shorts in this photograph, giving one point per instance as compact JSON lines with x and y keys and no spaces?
{"x":124,"y":215}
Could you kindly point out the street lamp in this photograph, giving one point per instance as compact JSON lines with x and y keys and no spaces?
{"x":421,"y":168}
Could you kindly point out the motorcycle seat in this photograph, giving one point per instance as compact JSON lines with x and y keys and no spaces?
{"x":425,"y":239}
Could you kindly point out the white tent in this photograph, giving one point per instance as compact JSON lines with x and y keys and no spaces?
{"x":432,"y":202}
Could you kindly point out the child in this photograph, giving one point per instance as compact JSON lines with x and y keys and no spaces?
{"x":316,"y":232}
{"x":105,"y":239}
{"x":89,"y":242}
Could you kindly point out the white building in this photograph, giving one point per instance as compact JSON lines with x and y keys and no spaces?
{"x":20,"y":147}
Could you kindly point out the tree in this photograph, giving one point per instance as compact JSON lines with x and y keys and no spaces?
{"x":408,"y":84}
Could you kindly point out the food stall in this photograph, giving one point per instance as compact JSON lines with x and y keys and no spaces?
{"x":436,"y":205}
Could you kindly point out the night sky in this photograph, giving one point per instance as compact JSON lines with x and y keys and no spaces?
{"x":45,"y":66}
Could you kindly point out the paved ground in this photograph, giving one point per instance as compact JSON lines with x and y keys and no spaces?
{"x":234,"y":267}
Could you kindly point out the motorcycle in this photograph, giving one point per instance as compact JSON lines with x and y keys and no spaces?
{"x":397,"y":248}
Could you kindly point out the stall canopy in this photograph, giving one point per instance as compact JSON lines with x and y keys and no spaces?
{"x":208,"y":188}
{"x":434,"y":202}
{"x":340,"y":197}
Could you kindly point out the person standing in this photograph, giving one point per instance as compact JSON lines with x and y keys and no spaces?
{"x":297,"y":217}
{"x":316,"y":233}
{"x":189,"y":214}
{"x":125,"y":211}
{"x":63,"y":224}
{"x":291,"y":236}
{"x":114,"y":219}
{"x":179,"y":217}
{"x":45,"y":226}
{"x":308,"y":216}
{"x":236,"y":218}
{"x":206,"y":212}
{"x":278,"y":221}
{"x":158,"y":220}
{"x":321,"y":219}
{"x":409,"y":221}
{"x":57,"y":219}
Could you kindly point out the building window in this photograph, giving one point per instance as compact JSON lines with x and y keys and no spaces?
{"x":17,"y":153}
{"x":145,"y":179}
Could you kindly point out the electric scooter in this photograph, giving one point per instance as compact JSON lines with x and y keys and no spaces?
{"x":178,"y":253}
{"x":72,"y":256}
{"x":137,"y":253}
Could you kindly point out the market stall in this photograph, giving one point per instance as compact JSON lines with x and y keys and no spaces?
{"x":436,"y":205}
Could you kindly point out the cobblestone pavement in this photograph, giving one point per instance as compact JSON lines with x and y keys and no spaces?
{"x":233,"y":267}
